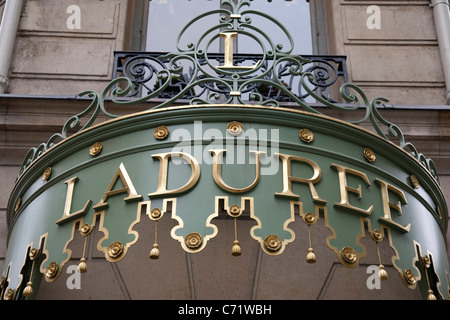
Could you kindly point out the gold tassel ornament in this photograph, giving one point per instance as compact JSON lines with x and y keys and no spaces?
{"x":426,"y":263}
{"x":154,"y":253}
{"x":155,"y":215}
{"x":82,"y":266}
{"x":310,"y":219}
{"x":33,"y":255}
{"x":85,"y":230}
{"x":28,"y":291}
{"x":235,"y":211}
{"x":236,"y":249}
{"x":377,"y":236}
{"x":431,"y":295}
{"x":311,"y":256}
{"x":382,"y":273}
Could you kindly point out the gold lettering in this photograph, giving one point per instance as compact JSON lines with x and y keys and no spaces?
{"x":163,"y":173}
{"x":228,"y":52}
{"x":387,"y":205}
{"x":345,"y":189}
{"x":67,"y":216}
{"x":128,"y":187}
{"x":217,"y":172}
{"x":288,"y":179}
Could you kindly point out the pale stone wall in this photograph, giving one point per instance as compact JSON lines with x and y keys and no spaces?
{"x":399,"y":61}
{"x":55,"y":56}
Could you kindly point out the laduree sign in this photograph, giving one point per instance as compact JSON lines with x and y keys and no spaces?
{"x":192,"y":164}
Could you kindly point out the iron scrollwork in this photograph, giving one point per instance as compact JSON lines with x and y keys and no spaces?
{"x":141,"y":67}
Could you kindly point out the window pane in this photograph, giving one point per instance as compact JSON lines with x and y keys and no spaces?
{"x":167,"y":19}
{"x":293,"y":15}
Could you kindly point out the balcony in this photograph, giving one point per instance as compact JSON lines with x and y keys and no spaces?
{"x":142,"y":69}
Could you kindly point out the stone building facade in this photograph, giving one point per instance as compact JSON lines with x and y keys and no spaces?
{"x":393,"y":49}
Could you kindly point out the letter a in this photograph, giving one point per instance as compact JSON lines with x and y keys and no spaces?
{"x":374,"y":21}
{"x":373,"y":281}
{"x":74,"y":21}
{"x":128,"y":187}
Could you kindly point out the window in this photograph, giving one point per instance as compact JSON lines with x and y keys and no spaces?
{"x":167,"y":18}
{"x":172,"y":25}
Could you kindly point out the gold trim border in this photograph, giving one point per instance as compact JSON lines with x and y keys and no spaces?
{"x":237,"y":106}
{"x":180,"y":225}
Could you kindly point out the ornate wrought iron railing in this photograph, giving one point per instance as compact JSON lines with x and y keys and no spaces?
{"x":141,"y":68}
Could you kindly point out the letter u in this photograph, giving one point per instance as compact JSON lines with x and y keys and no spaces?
{"x":217,"y":172}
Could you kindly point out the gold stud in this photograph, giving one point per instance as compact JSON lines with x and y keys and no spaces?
{"x":161,"y":133}
{"x":155,"y":214}
{"x":234,"y":128}
{"x":306,"y":135}
{"x":115,"y":249}
{"x":272,"y":243}
{"x":349,"y":255}
{"x":377,"y":236}
{"x":426,"y":262}
{"x":414,"y":181}
{"x":34,"y":254}
{"x":85,"y":230}
{"x":95,"y":149}
{"x":369,"y":155}
{"x":47,"y":173}
{"x":438,"y":210}
{"x":51,"y":271}
{"x":193,"y":240}
{"x":235,"y":211}
{"x":9,"y":294}
{"x":410,"y":277}
{"x":18,"y":203}
{"x":309,"y":218}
